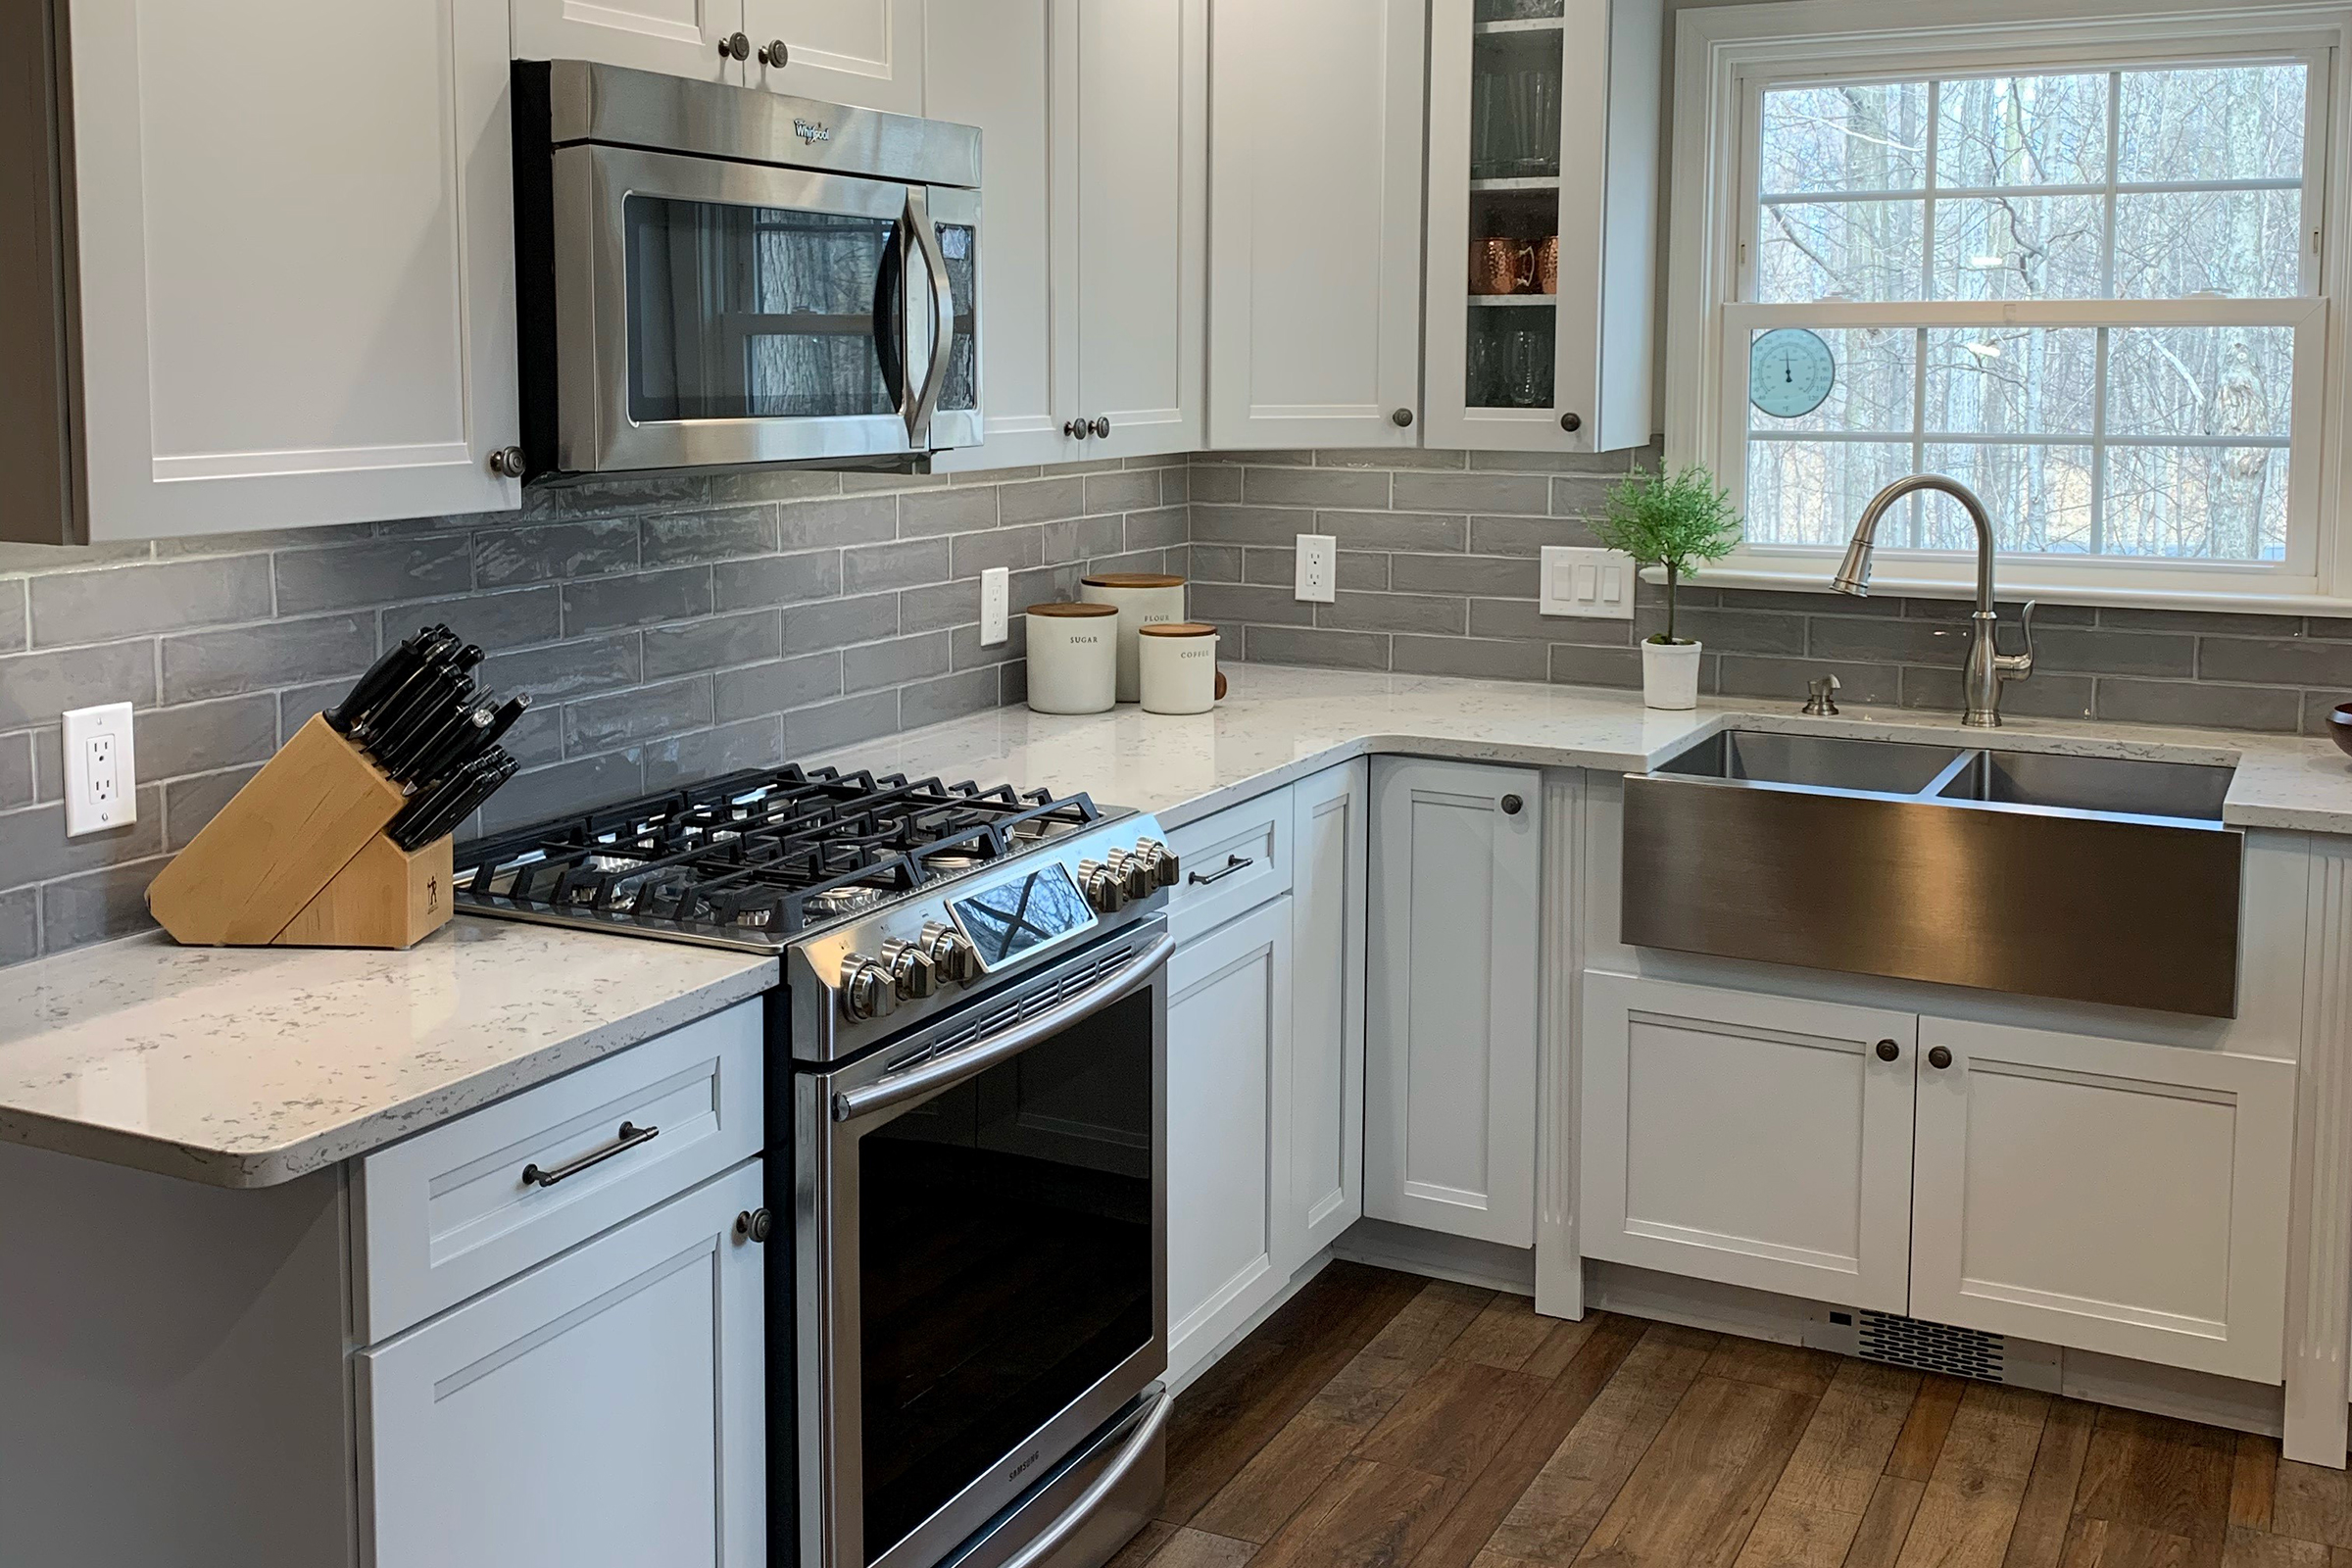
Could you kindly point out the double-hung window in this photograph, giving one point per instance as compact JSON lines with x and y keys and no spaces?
{"x":2078,"y":269}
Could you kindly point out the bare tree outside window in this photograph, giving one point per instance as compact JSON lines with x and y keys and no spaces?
{"x":2098,"y":433}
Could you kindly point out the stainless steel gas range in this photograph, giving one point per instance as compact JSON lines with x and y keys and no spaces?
{"x":968,"y":1091}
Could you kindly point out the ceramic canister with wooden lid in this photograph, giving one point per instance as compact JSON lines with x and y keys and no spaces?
{"x":1180,"y":667}
{"x":1073,"y":658}
{"x":1144,"y":598}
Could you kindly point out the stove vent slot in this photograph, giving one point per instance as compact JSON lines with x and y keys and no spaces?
{"x":1038,"y":1000}
{"x":1924,"y":1347}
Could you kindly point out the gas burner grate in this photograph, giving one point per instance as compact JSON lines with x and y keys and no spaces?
{"x":766,"y":854}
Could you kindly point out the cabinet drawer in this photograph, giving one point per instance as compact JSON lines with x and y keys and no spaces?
{"x":450,"y":1212}
{"x":1233,"y":863}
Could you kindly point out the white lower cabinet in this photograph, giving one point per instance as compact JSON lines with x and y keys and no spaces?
{"x":1229,"y":1035}
{"x":1756,"y":1140}
{"x":607,"y":1407}
{"x":2104,"y":1195}
{"x":2124,"y":1198}
{"x":1323,"y":1138}
{"x":1449,"y":1078}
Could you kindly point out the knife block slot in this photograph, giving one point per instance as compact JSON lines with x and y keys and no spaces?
{"x":298,"y":858}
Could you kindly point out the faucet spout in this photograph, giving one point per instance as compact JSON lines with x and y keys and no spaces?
{"x":1987,"y":667}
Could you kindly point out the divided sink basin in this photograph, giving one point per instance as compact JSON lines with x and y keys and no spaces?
{"x":2087,"y":878}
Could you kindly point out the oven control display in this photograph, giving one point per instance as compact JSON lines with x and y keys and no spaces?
{"x":1019,"y":915}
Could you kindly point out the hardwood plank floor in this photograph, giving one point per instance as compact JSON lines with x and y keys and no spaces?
{"x":1384,"y":1421}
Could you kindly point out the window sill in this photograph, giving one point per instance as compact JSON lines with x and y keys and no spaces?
{"x":2012,"y":586}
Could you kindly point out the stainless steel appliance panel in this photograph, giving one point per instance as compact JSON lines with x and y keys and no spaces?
{"x":2140,"y":914}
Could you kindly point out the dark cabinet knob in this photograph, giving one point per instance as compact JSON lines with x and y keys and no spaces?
{"x":507,"y":462}
{"x":1102,"y":426}
{"x":753,"y":1225}
{"x":1572,"y":422}
{"x":1939,"y":1058}
{"x":1078,"y":429}
{"x":1889,"y":1051}
{"x":774,"y":55}
{"x":1403,"y":418}
{"x":735,"y":47}
{"x":1512,"y":804}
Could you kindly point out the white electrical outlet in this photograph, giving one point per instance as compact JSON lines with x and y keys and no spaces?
{"x":101,"y":773}
{"x":1596,"y":584}
{"x":1318,"y":567}
{"x":996,"y":606}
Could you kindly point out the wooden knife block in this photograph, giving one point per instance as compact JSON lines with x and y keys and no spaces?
{"x":298,"y":858}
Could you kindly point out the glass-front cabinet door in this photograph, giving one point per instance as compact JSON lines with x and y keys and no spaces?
{"x":1543,"y":162}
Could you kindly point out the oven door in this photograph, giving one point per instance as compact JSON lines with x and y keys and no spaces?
{"x":712,"y":313}
{"x":980,"y":1250}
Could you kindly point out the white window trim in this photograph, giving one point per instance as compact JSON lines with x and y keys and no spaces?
{"x":1719,"y":49}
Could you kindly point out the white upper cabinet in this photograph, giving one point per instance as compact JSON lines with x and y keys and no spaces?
{"x":676,"y":38}
{"x":863,"y":52}
{"x":1542,"y":198}
{"x":1761,"y":1141}
{"x":1133,"y":178}
{"x":296,"y":281}
{"x":1450,"y":1072}
{"x":2119,"y":1197}
{"x":1315,"y":223}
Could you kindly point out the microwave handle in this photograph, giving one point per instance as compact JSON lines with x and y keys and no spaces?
{"x":957,"y":1065}
{"x":921,"y":406}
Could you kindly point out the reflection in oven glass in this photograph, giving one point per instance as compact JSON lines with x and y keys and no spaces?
{"x":1005,"y":1246}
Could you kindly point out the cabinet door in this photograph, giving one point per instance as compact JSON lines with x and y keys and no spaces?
{"x":1324,"y":1175}
{"x":863,"y":52}
{"x":1314,"y":263}
{"x":607,"y":1407}
{"x":2103,"y":1194}
{"x":297,"y":283}
{"x":1136,"y":149}
{"x":1229,"y":1027}
{"x":1750,"y":1139}
{"x":990,"y":63}
{"x":1514,"y":365}
{"x":1449,"y":1113}
{"x":676,"y":38}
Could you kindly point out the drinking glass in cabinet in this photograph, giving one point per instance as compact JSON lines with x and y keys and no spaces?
{"x":1515,"y":108}
{"x":1510,"y":358}
{"x":1517,"y":10}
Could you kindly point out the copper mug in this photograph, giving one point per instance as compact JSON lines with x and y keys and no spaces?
{"x":1499,"y":265}
{"x":1548,"y":265}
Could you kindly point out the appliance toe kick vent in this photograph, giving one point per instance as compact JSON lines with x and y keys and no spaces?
{"x":1924,"y":1347}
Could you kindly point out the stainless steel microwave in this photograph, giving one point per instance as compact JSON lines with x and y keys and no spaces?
{"x":714,"y":275}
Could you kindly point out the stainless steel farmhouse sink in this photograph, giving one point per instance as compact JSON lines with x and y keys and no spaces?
{"x":2089,"y":879}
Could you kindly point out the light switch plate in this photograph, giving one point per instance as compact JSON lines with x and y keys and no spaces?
{"x":995,"y":607}
{"x":1318,"y":567}
{"x":102,"y":775}
{"x":1595,"y":584}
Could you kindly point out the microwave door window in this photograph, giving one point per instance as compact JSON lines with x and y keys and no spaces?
{"x":759,"y":313}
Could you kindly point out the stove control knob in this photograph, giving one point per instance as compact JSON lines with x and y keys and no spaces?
{"x":912,"y":974}
{"x":866,"y":991}
{"x":1133,"y":872}
{"x":1102,"y":886}
{"x":952,"y":953}
{"x":1165,"y":870}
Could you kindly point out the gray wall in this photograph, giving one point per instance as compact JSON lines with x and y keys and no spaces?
{"x":673,"y":628}
{"x":1438,"y":575}
{"x":668,"y":630}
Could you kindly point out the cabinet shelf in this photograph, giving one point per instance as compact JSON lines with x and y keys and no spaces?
{"x":1514,"y":299}
{"x":1528,"y":183}
{"x":1488,"y":30}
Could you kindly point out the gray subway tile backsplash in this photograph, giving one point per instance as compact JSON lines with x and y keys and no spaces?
{"x":674,"y":626}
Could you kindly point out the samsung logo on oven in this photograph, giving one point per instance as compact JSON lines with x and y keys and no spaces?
{"x":1015,"y":1473}
{"x":818,"y":131}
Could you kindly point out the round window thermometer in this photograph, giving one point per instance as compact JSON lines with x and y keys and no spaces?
{"x":1789,"y":373}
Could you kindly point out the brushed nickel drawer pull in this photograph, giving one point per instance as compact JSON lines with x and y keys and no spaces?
{"x":1233,"y":864}
{"x":629,"y":1138}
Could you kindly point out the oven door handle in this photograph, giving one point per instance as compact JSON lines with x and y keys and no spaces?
{"x":1132,"y":1451}
{"x":921,"y":404}
{"x":941,"y":1071}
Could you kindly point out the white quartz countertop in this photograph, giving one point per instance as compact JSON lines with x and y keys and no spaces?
{"x":250,"y":1066}
{"x":1281,"y":723}
{"x":243,"y":1067}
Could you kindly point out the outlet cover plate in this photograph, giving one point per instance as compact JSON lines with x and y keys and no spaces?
{"x":102,"y":774}
{"x":1318,"y":568}
{"x":1592,"y":584}
{"x":996,"y":606}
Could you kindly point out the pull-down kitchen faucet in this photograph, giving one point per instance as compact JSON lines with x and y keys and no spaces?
{"x":1987,"y":665}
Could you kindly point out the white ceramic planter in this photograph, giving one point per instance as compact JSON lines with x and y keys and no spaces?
{"x":1670,"y":674}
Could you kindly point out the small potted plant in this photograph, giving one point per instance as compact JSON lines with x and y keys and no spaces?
{"x":1675,"y":522}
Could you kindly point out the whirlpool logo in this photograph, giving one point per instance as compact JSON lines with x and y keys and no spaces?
{"x":813,"y":130}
